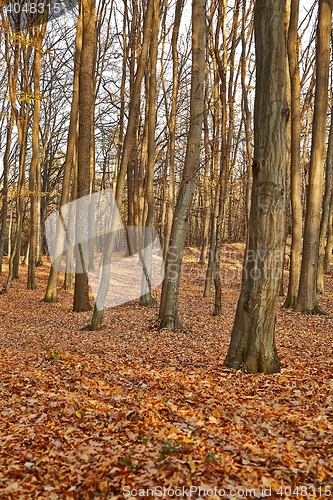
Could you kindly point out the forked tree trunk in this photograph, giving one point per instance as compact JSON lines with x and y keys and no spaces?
{"x":169,"y":300}
{"x":252,"y":347}
{"x":307,"y":298}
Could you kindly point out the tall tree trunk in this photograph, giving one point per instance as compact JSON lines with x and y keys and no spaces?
{"x":206,"y":183}
{"x":169,"y":300}
{"x":172,"y":122}
{"x":86,"y":117}
{"x":146,"y":298}
{"x":22,"y":124}
{"x":252,"y":346}
{"x":246,"y":113}
{"x":307,"y":299}
{"x":34,"y":173}
{"x":4,"y":193}
{"x":295,"y":155}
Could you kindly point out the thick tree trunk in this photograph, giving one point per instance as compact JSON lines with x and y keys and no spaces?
{"x":169,"y":300}
{"x":252,"y":345}
{"x":307,"y":299}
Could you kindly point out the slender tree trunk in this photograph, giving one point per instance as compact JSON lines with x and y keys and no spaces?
{"x":252,"y":346}
{"x":4,"y":207}
{"x":172,"y":122}
{"x":206,"y":185}
{"x":246,"y":114}
{"x":307,"y":299}
{"x":169,"y":300}
{"x":146,"y":297}
{"x":325,"y":209}
{"x":295,"y":155}
{"x":34,"y":174}
{"x":329,"y":246}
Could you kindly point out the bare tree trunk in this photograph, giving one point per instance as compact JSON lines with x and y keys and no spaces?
{"x":146,"y":297}
{"x":246,"y":113}
{"x":34,"y":173}
{"x":206,"y":185}
{"x":86,"y":117}
{"x":252,"y":346}
{"x":329,"y":246}
{"x":295,"y":155}
{"x":325,"y":209}
{"x":4,"y":193}
{"x":22,"y":124}
{"x":172,"y":122}
{"x":169,"y":300}
{"x":307,"y":299}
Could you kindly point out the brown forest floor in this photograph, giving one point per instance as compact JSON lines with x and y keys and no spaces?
{"x":89,"y":415}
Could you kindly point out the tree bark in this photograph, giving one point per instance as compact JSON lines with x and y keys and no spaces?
{"x":252,"y":347}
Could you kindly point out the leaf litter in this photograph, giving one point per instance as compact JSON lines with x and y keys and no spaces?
{"x":86,"y":415}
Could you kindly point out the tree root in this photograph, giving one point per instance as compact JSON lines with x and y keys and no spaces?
{"x":315,"y":310}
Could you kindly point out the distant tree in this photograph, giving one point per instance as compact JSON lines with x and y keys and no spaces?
{"x":252,"y":346}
